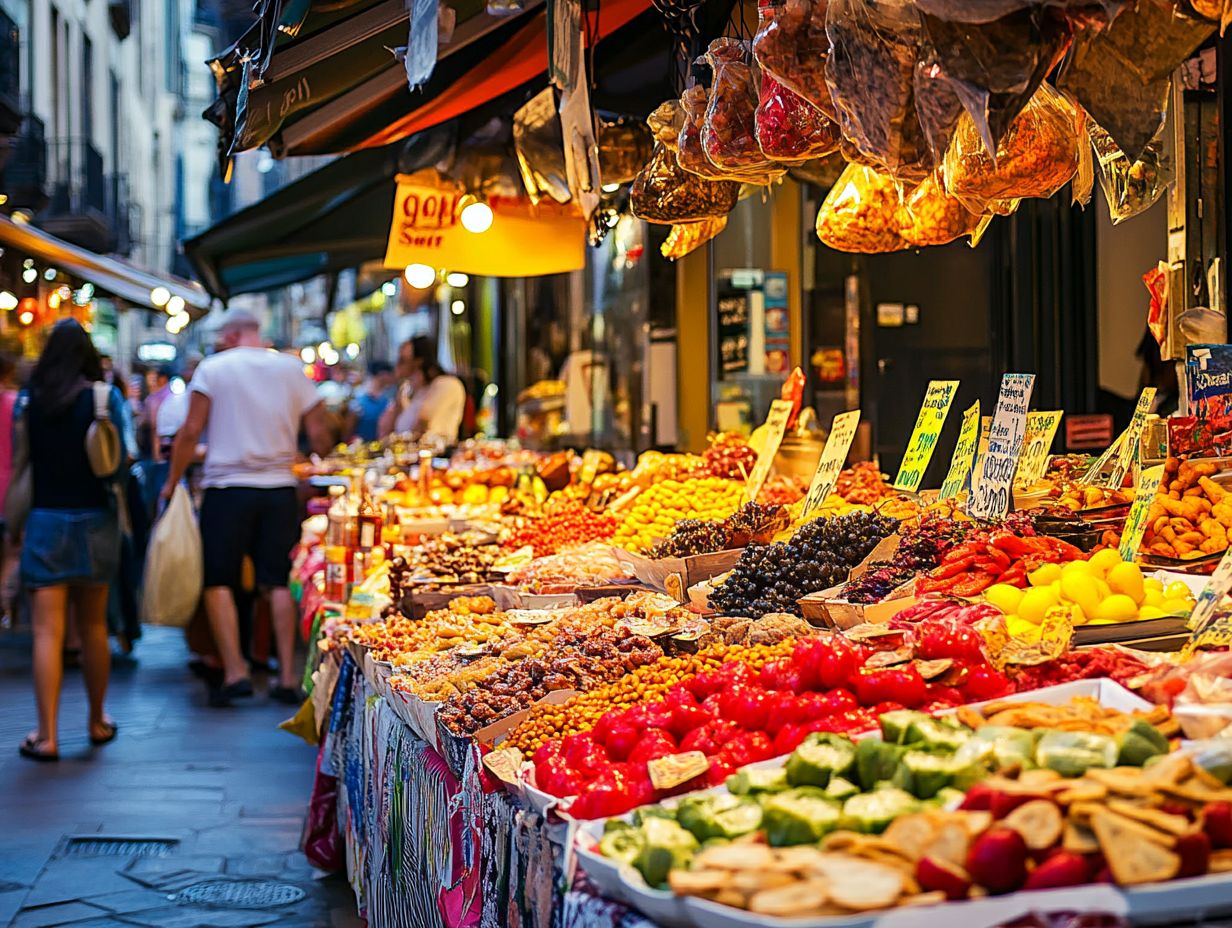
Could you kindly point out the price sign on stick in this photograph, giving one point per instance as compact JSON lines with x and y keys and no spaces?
{"x":776,"y":425}
{"x":1129,"y":447}
{"x":990,"y":495}
{"x":1041,"y":429}
{"x":1136,"y":521}
{"x":833,"y":456}
{"x":1216,"y":588}
{"x":928,"y":423}
{"x":1092,"y":473}
{"x":964,"y":454}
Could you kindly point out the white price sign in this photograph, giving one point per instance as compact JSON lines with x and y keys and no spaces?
{"x":990,"y":496}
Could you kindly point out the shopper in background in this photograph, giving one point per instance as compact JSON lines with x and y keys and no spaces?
{"x":174,"y":409}
{"x":430,"y":403}
{"x":8,"y":397}
{"x":72,"y":535}
{"x":248,"y":403}
{"x":371,"y":401}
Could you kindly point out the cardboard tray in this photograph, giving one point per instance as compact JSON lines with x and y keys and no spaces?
{"x":674,"y":575}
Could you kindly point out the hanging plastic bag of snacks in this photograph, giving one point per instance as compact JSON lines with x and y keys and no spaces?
{"x":789,"y":129}
{"x":1099,"y":12}
{"x":1120,"y":74}
{"x":691,"y":154}
{"x":791,"y":45}
{"x":871,"y":75}
{"x":665,"y":123}
{"x":663,"y":192}
{"x":994,"y":68}
{"x":936,"y":106}
{"x":860,"y":213}
{"x":729,"y":133}
{"x":930,"y":216}
{"x":624,"y":146}
{"x":1129,"y":188}
{"x":686,"y":237}
{"x":1037,"y":157}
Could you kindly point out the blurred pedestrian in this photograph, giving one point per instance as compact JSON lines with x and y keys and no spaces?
{"x":431,"y":402}
{"x":72,"y":534}
{"x":249,"y":403}
{"x":8,"y":397}
{"x":370,"y":402}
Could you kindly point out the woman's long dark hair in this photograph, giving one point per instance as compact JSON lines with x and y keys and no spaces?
{"x":69,"y":360}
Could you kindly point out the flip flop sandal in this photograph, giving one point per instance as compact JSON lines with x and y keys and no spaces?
{"x":114,"y":730}
{"x":29,"y":749}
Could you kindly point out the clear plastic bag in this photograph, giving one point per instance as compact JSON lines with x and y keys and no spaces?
{"x":1097,"y":12}
{"x":936,"y":106}
{"x":871,"y":75}
{"x":665,"y":123}
{"x":824,"y":172}
{"x":729,"y":133}
{"x":930,"y":216}
{"x":790,"y":129}
{"x":1129,"y":187}
{"x":1036,"y":158}
{"x":173,"y":565}
{"x":624,"y":146}
{"x":1120,"y":74}
{"x":791,"y":45}
{"x":687,"y":237}
{"x":994,"y":68}
{"x":861,"y":213}
{"x":664,"y":192}
{"x":690,"y":153}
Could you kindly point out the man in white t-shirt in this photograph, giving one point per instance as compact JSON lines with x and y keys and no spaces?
{"x":247,"y":404}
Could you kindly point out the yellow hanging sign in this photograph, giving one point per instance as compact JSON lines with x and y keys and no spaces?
{"x":1041,"y":429}
{"x":775,"y":426}
{"x":1136,"y":521}
{"x":928,"y":424}
{"x":964,"y":454}
{"x":524,"y":240}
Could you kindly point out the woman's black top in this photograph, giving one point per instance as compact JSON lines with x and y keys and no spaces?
{"x":59,"y":468}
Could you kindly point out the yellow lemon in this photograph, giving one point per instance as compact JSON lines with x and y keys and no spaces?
{"x":1177,"y":606}
{"x":1153,"y":583}
{"x":1044,"y":574}
{"x":1004,"y":597}
{"x":1105,"y":560}
{"x":1127,"y":578}
{"x":1152,"y":598}
{"x":1117,"y":608}
{"x":1177,"y":589}
{"x":1104,"y":589}
{"x":1081,"y":590}
{"x":1035,"y":604}
{"x":1081,"y":568}
{"x":1022,"y":629}
{"x":1151,"y":612}
{"x":1077,"y":615}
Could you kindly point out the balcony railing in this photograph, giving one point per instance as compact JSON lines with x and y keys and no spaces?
{"x":25,"y":171}
{"x":87,"y":205}
{"x":10,"y":75}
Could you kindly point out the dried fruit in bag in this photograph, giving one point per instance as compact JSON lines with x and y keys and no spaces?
{"x":729,"y":134}
{"x":1037,"y":157}
{"x":1120,"y":74}
{"x":930,"y":216}
{"x":871,"y":75}
{"x":665,"y":123}
{"x":1096,"y":12}
{"x":823,"y":172}
{"x":860,"y":213}
{"x":663,"y":192}
{"x":690,"y":153}
{"x":686,"y":237}
{"x":1129,"y":187}
{"x":936,"y":106}
{"x":789,"y":129}
{"x":791,"y":45}
{"x":624,"y":146}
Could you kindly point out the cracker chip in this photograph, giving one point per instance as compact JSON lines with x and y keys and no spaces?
{"x":1038,"y":821}
{"x":861,"y":885}
{"x":1041,"y":777}
{"x":736,"y":857}
{"x":793,"y":859}
{"x":1079,"y":839}
{"x":977,"y":822}
{"x":750,"y":882}
{"x":1164,"y":821}
{"x":1172,"y":768}
{"x":1126,"y":781}
{"x":1132,"y":857}
{"x":1082,"y":791}
{"x":951,"y":843}
{"x":799,"y":898}
{"x":697,"y":882}
{"x":911,"y":833}
{"x":934,"y":898}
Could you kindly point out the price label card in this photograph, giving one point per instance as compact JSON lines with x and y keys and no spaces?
{"x":1212,"y":594}
{"x":1129,"y":447}
{"x":1041,"y":429}
{"x":1136,"y":521}
{"x":964,"y":454}
{"x":833,"y":456}
{"x":1092,"y":473}
{"x":928,"y":424}
{"x":776,"y":425}
{"x":990,"y":495}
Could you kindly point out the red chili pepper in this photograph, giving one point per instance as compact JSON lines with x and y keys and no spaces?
{"x":951,"y":568}
{"x":972,"y":583}
{"x":1011,"y":544}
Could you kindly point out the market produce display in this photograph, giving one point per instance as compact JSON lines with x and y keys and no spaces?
{"x":1191,"y":515}
{"x":563,"y":525}
{"x":752,"y":522}
{"x":1000,"y":556}
{"x":657,"y":509}
{"x":772,"y":578}
{"x":591,"y":564}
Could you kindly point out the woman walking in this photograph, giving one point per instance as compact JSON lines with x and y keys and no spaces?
{"x":72,"y":534}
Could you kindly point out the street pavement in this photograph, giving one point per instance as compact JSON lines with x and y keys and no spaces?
{"x":188,"y":804}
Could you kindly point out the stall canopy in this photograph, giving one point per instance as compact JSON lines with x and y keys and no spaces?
{"x":108,"y":275}
{"x":334,"y":87}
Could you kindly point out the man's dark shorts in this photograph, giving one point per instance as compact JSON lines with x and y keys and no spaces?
{"x":259,"y":522}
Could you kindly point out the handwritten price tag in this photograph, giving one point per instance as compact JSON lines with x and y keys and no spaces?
{"x":1092,"y":473}
{"x":1136,"y":521}
{"x":833,"y":456}
{"x":990,"y":497}
{"x":776,"y":425}
{"x":964,"y":454}
{"x":1041,"y":429}
{"x":928,"y":424}
{"x":1129,"y":447}
{"x":1212,"y":594}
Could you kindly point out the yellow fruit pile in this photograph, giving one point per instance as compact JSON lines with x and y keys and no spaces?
{"x":657,"y":509}
{"x":1100,"y":591}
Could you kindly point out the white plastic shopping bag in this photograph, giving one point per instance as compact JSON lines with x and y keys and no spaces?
{"x":173,"y":571}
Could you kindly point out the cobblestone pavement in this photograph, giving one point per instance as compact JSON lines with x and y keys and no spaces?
{"x":190,"y":819}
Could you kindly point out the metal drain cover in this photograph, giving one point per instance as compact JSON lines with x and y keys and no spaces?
{"x":240,"y":894}
{"x":118,"y":847}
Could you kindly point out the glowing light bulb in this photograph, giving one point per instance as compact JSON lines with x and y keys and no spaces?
{"x":420,"y":276}
{"x":7,"y":300}
{"x":308,"y":354}
{"x":160,"y":296}
{"x":477,"y":217}
{"x":457,"y":279}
